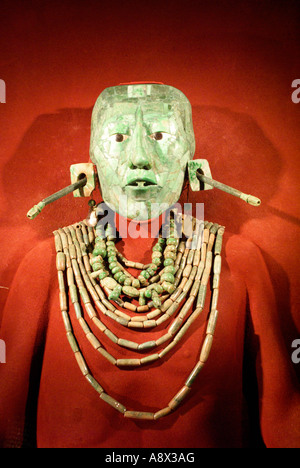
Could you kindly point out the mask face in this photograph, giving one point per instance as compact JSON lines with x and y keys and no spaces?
{"x":142,"y":138}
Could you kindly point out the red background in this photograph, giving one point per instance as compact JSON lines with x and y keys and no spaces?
{"x":235,"y":61}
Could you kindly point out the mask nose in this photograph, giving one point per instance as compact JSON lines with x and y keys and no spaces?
{"x":140,"y":147}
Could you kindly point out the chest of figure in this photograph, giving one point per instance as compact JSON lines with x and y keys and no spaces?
{"x":71,"y":413}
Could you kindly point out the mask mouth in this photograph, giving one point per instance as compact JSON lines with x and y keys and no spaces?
{"x":141,"y":183}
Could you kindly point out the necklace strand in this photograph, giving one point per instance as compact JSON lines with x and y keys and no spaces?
{"x":73,"y":261}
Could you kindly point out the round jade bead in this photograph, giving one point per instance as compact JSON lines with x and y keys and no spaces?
{"x":122,"y":278}
{"x":118,"y":275}
{"x":156,"y":254}
{"x":168,"y":277}
{"x":150,"y":271}
{"x":171,"y":240}
{"x":170,"y":288}
{"x":136,"y":283}
{"x":156,"y":261}
{"x":170,"y":269}
{"x":148,"y":293}
{"x":97,"y":266}
{"x":127,"y":281}
{"x":168,"y":262}
{"x":103,"y":275}
{"x":145,"y":274}
{"x":158,"y":288}
{"x":115,"y":270}
{"x":99,"y":239}
{"x":170,"y":255}
{"x":110,"y":243}
{"x":112,"y":258}
{"x":113,"y":265}
{"x":157,"y":248}
{"x":161,"y":240}
{"x":99,"y":251}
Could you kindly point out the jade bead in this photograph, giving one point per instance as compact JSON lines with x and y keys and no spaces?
{"x":96,"y":266}
{"x":161,"y":240}
{"x":158,"y":288}
{"x":103,"y":274}
{"x":136,"y":283}
{"x":112,"y":258}
{"x":145,"y":274}
{"x":150,"y":271}
{"x":156,"y":261}
{"x":157,"y":248}
{"x":128,"y":281}
{"x":170,"y":269}
{"x":113,"y":265}
{"x":122,"y":278}
{"x":168,"y":262}
{"x":171,"y":240}
{"x":170,"y":288}
{"x":148,"y":293}
{"x":99,"y":239}
{"x":156,"y":254}
{"x":115,"y":270}
{"x":130,"y":291}
{"x":170,"y":255}
{"x":99,"y":251}
{"x":168,"y":277}
{"x":110,"y":243}
{"x":118,"y":275}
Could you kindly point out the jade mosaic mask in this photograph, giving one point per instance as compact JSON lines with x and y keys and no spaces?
{"x":141,"y":140}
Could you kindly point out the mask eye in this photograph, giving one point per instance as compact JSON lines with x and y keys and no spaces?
{"x":118,"y":137}
{"x":157,"y":136}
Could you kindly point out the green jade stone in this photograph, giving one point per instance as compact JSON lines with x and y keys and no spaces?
{"x":168,"y":277}
{"x":170,"y":269}
{"x":103,"y":275}
{"x":141,"y":141}
{"x":130,"y":291}
{"x":168,"y":262}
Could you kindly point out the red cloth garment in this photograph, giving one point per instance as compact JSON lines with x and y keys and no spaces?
{"x":41,"y":369}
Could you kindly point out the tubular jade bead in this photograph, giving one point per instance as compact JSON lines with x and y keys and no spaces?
{"x":150,"y":358}
{"x":163,"y":412}
{"x":60,"y":261}
{"x":63,"y":301}
{"x":94,"y":383}
{"x":128,"y":362}
{"x":73,"y":342}
{"x":183,"y":392}
{"x":90,"y":310}
{"x":206,"y":348}
{"x":127,"y":343}
{"x":147,"y":345}
{"x":84,"y":326}
{"x":212,"y":322}
{"x":81,"y":363}
{"x":108,"y":356}
{"x":73,"y":293}
{"x":175,"y":326}
{"x":191,"y":378}
{"x":93,"y":340}
{"x":112,"y":402}
{"x":149,"y":323}
{"x":99,"y":324}
{"x":138,"y":415}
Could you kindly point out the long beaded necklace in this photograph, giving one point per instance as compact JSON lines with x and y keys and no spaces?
{"x":92,"y":270}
